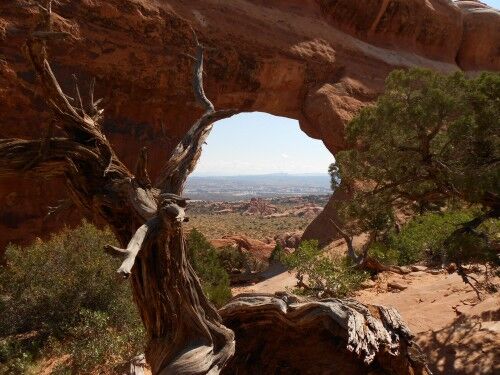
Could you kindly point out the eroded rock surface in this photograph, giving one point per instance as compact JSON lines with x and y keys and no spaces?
{"x":317,"y":61}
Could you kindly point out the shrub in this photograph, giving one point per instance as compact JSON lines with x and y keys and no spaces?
{"x":320,"y":275}
{"x":428,"y":236}
{"x":205,"y":261}
{"x":62,"y":296}
{"x":232,"y":258}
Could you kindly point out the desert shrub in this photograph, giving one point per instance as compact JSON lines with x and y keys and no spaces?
{"x":429,"y":236}
{"x":320,"y":275}
{"x":205,"y":261}
{"x":62,"y":296}
{"x":277,"y":253}
{"x":385,"y":254}
{"x":232,"y":258}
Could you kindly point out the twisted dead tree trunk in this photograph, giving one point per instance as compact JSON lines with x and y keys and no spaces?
{"x":185,"y":333}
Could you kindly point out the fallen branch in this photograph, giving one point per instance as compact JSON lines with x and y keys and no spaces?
{"x":332,"y":336}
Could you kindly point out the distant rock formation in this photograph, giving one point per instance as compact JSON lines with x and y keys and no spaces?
{"x":317,"y":61}
{"x":257,"y":249}
{"x":259,"y":206}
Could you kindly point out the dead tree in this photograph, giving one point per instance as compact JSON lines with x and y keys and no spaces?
{"x":186,"y":334}
{"x":185,"y":331}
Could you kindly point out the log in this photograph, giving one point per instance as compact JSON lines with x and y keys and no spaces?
{"x":283,"y":334}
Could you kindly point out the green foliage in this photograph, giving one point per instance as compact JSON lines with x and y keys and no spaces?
{"x":431,"y":141}
{"x":277,"y":253}
{"x":429,"y":137}
{"x":385,"y":254}
{"x":62,"y":297}
{"x":429,"y":236}
{"x":205,"y":261}
{"x":320,"y":275}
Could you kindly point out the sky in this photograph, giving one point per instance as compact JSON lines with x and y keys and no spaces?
{"x":492,"y":3}
{"x":259,"y":143}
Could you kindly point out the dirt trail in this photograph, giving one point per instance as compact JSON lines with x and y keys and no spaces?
{"x":459,"y":333}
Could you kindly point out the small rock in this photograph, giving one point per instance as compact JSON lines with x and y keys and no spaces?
{"x":405,"y":270}
{"x":368,"y":284}
{"x":397,"y":286}
{"x":452,"y":267}
{"x":435,"y":272}
{"x":417,"y":268}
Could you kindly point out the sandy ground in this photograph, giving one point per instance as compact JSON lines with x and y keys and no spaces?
{"x":459,"y":333}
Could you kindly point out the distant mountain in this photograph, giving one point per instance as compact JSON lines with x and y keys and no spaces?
{"x":265,"y":185}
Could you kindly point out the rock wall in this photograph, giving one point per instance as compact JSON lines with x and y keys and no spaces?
{"x":317,"y":61}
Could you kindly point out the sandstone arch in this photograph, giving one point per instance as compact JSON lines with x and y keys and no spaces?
{"x":375,"y":334}
{"x":317,"y":61}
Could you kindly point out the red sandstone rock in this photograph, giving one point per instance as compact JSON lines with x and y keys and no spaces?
{"x":317,"y":61}
{"x":258,"y":249}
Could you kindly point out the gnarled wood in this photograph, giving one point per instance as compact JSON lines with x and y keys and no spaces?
{"x":281,"y":334}
{"x":185,"y":332}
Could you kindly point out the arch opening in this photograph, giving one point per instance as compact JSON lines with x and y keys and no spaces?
{"x":260,"y":181}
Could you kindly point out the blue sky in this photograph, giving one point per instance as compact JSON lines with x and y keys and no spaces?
{"x":258,"y":143}
{"x":492,"y":3}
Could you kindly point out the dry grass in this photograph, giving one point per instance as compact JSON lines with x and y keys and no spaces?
{"x":217,"y":226}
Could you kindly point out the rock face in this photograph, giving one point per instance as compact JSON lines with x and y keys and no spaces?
{"x":257,"y":249}
{"x":317,"y":61}
{"x":259,"y":206}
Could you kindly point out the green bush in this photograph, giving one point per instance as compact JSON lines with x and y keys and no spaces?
{"x":320,"y":275}
{"x":232,"y":258}
{"x":427,"y":237}
{"x":62,"y":296}
{"x":385,"y":254}
{"x":205,"y":261}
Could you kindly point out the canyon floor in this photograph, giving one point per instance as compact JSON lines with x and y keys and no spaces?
{"x":459,"y":333}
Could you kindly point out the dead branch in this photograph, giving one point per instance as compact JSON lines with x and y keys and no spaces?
{"x":364,"y":261}
{"x":188,"y":151}
{"x":17,"y":156}
{"x":133,"y":247}
{"x":348,"y":239}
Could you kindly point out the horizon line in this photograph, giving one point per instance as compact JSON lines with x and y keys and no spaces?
{"x":216,"y":174}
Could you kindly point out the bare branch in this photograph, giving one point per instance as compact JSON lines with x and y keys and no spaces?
{"x":188,"y":151}
{"x":17,"y":156}
{"x":199,"y":90}
{"x":73,"y":121}
{"x":133,"y":247}
{"x":78,"y":96}
{"x":348,"y":239}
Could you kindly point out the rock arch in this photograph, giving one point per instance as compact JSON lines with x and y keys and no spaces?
{"x":317,"y":61}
